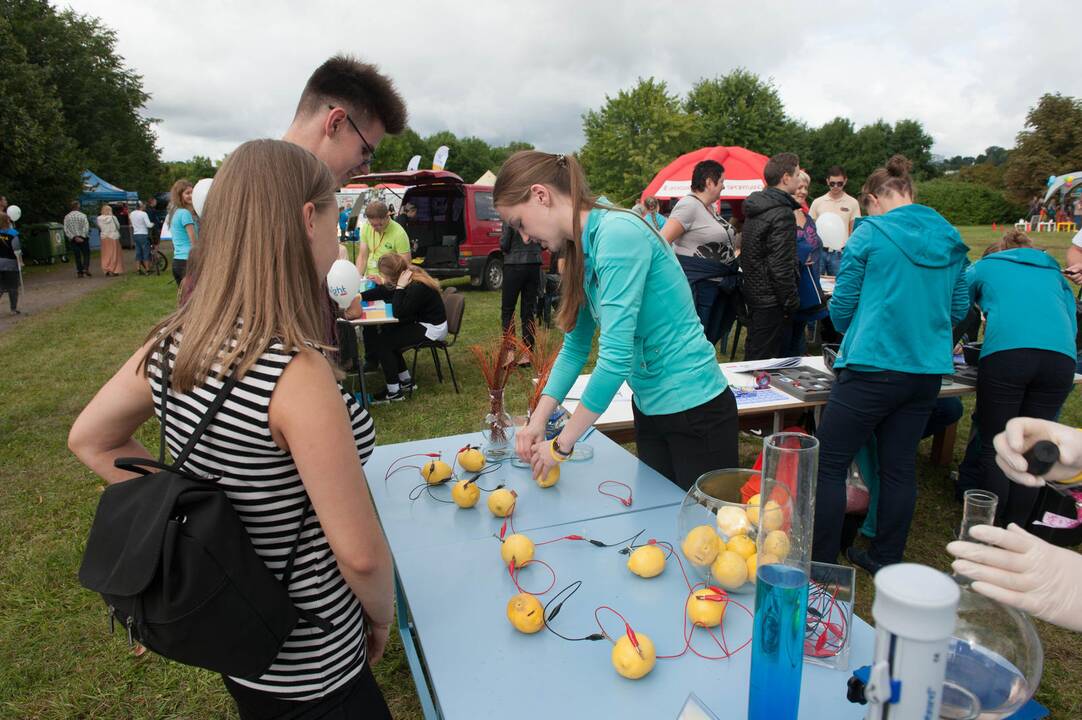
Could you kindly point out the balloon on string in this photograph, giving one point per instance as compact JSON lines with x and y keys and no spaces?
{"x":15,"y":212}
{"x":831,"y":229}
{"x":1051,"y":180}
{"x":199,"y":194}
{"x":343,"y":282}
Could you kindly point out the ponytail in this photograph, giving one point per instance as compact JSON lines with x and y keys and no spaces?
{"x":892,"y":178}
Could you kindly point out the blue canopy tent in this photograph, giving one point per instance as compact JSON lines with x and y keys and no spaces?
{"x":96,"y":192}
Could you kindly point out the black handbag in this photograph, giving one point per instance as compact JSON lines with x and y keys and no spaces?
{"x":177,"y":568}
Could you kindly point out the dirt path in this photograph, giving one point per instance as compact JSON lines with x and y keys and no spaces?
{"x":48,"y":287}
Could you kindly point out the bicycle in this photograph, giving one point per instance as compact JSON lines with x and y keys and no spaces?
{"x":157,"y":257}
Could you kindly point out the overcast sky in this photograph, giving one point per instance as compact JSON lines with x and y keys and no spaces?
{"x":220,"y":73}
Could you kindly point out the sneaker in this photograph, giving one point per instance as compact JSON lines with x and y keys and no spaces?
{"x":408,"y":386}
{"x":863,"y":560}
{"x":388,"y":397}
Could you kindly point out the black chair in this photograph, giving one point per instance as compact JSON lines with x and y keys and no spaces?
{"x":349,"y":359}
{"x":454,"y":303}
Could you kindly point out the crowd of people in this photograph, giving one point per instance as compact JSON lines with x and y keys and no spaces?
{"x":255,"y":326}
{"x":1058,"y":210}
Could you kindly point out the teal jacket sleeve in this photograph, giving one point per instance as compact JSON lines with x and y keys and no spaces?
{"x":1071,"y":302}
{"x":622,"y":257}
{"x":973,"y":283}
{"x":850,"y":280}
{"x":961,"y":297}
{"x":573,"y":354}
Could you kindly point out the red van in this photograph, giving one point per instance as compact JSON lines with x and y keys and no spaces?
{"x":456,"y":231}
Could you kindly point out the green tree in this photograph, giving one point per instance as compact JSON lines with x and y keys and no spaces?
{"x":101,"y":100}
{"x":1050,"y":144}
{"x":40,"y":166}
{"x":994,"y":155}
{"x":742,"y":109}
{"x":193,"y":170}
{"x":984,"y":173}
{"x":500,"y":154}
{"x":632,"y":136}
{"x":394,"y":153}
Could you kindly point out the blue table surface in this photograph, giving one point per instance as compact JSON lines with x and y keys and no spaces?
{"x":481,"y":667}
{"x":425,"y":522}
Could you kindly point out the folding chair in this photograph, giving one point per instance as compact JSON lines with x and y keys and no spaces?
{"x":454,"y":303}
{"x":349,"y":359}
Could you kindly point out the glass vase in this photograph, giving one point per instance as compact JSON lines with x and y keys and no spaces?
{"x":497,"y":430}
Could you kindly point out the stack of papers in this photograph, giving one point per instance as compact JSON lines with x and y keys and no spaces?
{"x":757,"y":365}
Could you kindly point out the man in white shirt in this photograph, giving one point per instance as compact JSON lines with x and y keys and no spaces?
{"x":140,"y":230}
{"x":842,"y":204}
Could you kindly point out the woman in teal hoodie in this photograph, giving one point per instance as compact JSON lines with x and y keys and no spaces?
{"x":621,"y":278}
{"x":1028,"y":356}
{"x":900,"y":290}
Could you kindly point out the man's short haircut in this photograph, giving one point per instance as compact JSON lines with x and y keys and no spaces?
{"x":376,"y":209}
{"x":74,"y":204}
{"x":706,"y":170}
{"x":779,"y":166}
{"x":837,"y":171}
{"x":359,"y":88}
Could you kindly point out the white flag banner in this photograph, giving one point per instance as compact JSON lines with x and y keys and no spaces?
{"x":415,"y":162}
{"x":439,"y":161}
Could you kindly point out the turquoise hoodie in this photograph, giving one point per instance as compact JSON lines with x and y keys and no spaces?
{"x":900,"y":290}
{"x":1026,"y":301}
{"x":650,"y":334}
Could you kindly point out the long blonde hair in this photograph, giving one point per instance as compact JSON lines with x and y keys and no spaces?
{"x":257,"y":278}
{"x":176,"y":196}
{"x":392,"y":265}
{"x":563,"y":174}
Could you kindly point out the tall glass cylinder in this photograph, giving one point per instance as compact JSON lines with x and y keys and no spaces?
{"x":783,"y":529}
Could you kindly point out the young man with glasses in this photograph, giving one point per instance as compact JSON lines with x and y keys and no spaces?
{"x":842,"y":204}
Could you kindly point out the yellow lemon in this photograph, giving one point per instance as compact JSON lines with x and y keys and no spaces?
{"x":772,"y":516}
{"x":732,"y":521}
{"x":517,"y":547}
{"x":753,"y":563}
{"x":704,"y":608}
{"x":647,"y":561}
{"x":730,"y":570}
{"x":501,"y":502}
{"x":525,"y":613}
{"x":701,"y":545}
{"x":776,"y":543}
{"x":465,"y":493}
{"x":631,"y":663}
{"x":551,"y":477}
{"x":753,"y":509}
{"x":471,"y":459}
{"x":435,"y":472}
{"x":742,"y":545}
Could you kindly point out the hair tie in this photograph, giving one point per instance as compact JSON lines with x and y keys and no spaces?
{"x":561,"y":160}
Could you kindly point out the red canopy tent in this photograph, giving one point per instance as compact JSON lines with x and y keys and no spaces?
{"x":743,"y":173}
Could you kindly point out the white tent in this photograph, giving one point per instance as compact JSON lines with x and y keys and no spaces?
{"x":1064,"y":184}
{"x":487,"y":179}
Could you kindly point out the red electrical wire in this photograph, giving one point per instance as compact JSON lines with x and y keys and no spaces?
{"x":511,"y":570}
{"x":391,"y":469}
{"x":626,"y":502}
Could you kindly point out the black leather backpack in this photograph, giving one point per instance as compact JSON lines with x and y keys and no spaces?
{"x":177,"y":569}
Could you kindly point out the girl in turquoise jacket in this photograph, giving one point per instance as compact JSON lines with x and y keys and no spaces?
{"x":622,"y":279}
{"x":1028,"y":357}
{"x":900,"y":290}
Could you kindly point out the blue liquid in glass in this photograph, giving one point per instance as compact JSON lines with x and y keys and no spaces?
{"x":777,"y":648}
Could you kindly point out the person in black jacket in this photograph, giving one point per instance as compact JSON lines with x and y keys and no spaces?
{"x":769,"y":260}
{"x":417,"y":302}
{"x":521,"y":276}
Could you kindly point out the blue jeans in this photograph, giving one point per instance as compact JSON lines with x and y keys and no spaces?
{"x":894,"y":407}
{"x":142,"y":248}
{"x":830,"y":262}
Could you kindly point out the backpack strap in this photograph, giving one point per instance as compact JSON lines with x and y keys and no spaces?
{"x":287,"y":574}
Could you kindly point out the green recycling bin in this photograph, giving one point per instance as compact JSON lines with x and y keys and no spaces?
{"x":43,"y":243}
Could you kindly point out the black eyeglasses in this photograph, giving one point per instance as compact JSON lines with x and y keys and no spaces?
{"x":367,"y":146}
{"x":836,"y":183}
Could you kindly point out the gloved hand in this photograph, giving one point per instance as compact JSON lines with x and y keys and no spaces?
{"x":1023,"y":433}
{"x":1023,"y":571}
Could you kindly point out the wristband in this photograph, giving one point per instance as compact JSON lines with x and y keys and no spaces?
{"x":558,"y":454}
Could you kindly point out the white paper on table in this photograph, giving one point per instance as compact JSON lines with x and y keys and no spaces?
{"x":575,"y":393}
{"x":753,"y":365}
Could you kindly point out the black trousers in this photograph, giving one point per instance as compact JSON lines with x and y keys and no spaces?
{"x":360,"y":699}
{"x":9,"y":283}
{"x":1017,"y":383}
{"x":895,"y":408}
{"x":524,"y":280}
{"x":81,"y":252}
{"x":386,"y":346}
{"x":180,"y":267}
{"x":768,"y":332}
{"x":684,"y":445}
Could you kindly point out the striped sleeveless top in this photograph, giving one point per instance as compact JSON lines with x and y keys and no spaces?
{"x":265,"y":488}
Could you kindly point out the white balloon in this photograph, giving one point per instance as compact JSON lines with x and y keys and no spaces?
{"x":14,"y":212}
{"x":343,"y":282}
{"x":831,"y":229}
{"x":199,"y":194}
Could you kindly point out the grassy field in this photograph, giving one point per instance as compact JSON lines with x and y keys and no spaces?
{"x":56,"y":657}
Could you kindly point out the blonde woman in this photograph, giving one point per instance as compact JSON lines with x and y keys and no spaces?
{"x":183,"y":225}
{"x":287,"y":434}
{"x":112,"y":262}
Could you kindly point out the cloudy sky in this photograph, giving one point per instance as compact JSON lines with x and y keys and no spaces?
{"x":223,"y":72}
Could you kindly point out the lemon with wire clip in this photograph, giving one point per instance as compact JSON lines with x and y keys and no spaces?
{"x":518,"y":548}
{"x":436,"y":472}
{"x":647,"y":561}
{"x":471,"y":459}
{"x":525,"y":613}
{"x":634,"y":663}
{"x":465,"y":493}
{"x":706,"y":606}
{"x":501,"y":502}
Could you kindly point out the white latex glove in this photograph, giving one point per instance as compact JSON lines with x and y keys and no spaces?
{"x":1023,"y":571}
{"x":1023,"y":433}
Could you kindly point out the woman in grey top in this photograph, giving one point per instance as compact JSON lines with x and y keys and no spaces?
{"x":692,"y":228}
{"x":521,"y":276}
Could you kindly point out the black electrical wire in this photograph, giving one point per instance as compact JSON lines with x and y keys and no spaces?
{"x":549,"y":616}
